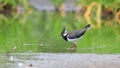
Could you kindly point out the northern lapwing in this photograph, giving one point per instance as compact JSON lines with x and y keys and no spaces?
{"x":74,"y":35}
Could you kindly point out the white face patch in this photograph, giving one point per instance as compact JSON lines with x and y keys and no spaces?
{"x":64,"y":34}
{"x":65,"y":31}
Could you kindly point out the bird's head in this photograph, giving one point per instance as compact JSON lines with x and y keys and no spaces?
{"x":64,"y":32}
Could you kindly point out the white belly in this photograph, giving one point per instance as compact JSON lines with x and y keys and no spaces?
{"x":71,"y":40}
{"x":74,"y":40}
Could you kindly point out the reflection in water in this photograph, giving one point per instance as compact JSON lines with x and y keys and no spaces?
{"x":73,"y":50}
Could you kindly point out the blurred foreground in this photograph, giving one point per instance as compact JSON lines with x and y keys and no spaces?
{"x":52,"y":60}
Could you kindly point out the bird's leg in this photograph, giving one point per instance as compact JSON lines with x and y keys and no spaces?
{"x":74,"y":46}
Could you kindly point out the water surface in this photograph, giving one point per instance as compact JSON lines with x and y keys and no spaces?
{"x":59,"y":60}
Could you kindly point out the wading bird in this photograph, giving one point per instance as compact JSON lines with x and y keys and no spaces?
{"x":74,"y":35}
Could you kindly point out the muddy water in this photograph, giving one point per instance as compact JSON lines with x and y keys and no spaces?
{"x":59,"y":60}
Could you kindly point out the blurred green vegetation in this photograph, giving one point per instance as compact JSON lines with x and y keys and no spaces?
{"x":57,"y":3}
{"x":39,"y":31}
{"x":105,"y":2}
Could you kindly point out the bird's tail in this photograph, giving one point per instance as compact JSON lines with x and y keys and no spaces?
{"x":87,"y":26}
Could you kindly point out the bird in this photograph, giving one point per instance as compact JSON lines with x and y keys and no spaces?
{"x":74,"y":35}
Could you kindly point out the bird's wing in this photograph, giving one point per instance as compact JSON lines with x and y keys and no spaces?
{"x":78,"y":33}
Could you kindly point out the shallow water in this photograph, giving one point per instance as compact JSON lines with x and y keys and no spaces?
{"x":59,"y":60}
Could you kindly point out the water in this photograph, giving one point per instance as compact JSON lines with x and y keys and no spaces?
{"x":59,"y":60}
